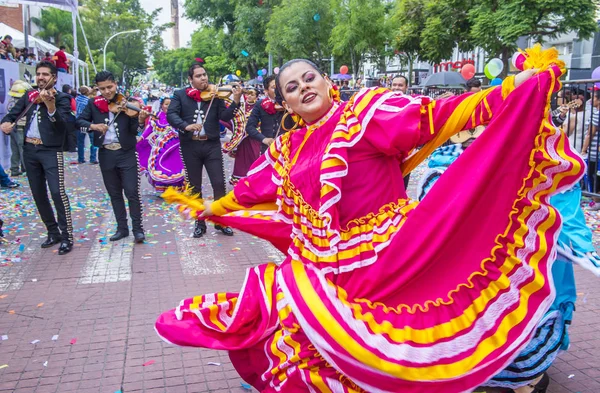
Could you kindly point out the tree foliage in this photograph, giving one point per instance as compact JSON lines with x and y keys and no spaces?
{"x":433,"y":28}
{"x":127,"y":54}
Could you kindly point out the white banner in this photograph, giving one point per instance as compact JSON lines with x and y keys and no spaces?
{"x":9,"y":72}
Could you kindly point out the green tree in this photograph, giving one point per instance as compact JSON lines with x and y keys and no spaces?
{"x":127,"y":55}
{"x":171,"y":66}
{"x":243,"y":24}
{"x":496,"y":26}
{"x":56,"y":27}
{"x":360,"y":30}
{"x":301,"y":28}
{"x":433,"y":28}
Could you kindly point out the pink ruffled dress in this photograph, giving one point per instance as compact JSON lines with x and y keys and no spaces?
{"x":379,"y":293}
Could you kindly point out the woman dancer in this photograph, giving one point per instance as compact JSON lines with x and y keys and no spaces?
{"x":380,"y":293}
{"x":245,"y":150}
{"x":158,"y":151}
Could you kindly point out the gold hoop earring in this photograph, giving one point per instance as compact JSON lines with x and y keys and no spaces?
{"x":296,"y":123}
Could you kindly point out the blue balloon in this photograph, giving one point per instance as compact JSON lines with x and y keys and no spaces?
{"x":496,"y":82}
{"x":317,"y":17}
{"x":259,"y":72}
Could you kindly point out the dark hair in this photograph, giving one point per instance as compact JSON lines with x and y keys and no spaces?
{"x":8,"y":37}
{"x":473,"y":82}
{"x":47,"y":54}
{"x":278,"y":91}
{"x":195,"y":65}
{"x":46,"y":64}
{"x":66,"y":89}
{"x":403,"y":77}
{"x":104,"y":76}
{"x":267,"y":81}
{"x":62,"y":47}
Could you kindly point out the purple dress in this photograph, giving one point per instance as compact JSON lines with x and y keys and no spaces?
{"x":159,"y":156}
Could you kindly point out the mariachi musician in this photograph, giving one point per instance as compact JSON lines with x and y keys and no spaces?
{"x":268,"y":114}
{"x":195,"y":112}
{"x":115,"y":134}
{"x":48,"y":113}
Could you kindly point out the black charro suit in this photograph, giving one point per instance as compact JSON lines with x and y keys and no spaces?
{"x":197,"y":154}
{"x":120,"y":168}
{"x":44,"y":162}
{"x":270,"y":125}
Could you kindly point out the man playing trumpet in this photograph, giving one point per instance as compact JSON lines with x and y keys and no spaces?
{"x":47,"y":112}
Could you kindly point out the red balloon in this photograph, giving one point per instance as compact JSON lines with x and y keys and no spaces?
{"x":468,"y":71}
{"x":344,"y":70}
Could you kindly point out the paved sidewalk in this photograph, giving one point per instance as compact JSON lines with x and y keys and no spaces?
{"x":84,"y":322}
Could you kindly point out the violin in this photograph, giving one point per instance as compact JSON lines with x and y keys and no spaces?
{"x":120,"y":104}
{"x":51,"y":90}
{"x":214,"y":91}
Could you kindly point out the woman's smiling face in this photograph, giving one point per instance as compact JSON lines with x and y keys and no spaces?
{"x":305,"y":91}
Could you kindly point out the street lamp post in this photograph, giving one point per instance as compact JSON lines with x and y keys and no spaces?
{"x":113,"y":36}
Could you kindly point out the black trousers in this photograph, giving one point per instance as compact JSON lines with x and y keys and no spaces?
{"x":121,"y":173}
{"x":47,"y":167}
{"x":199,"y":154}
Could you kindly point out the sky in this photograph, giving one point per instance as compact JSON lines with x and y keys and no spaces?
{"x":186,"y":27}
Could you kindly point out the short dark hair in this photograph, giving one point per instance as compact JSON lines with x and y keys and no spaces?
{"x":278,"y":91}
{"x":8,"y":37}
{"x":66,"y":88}
{"x":46,"y":64}
{"x":267,"y":81}
{"x":403,"y":77}
{"x":62,"y":47}
{"x":473,"y":82}
{"x":104,"y":76}
{"x":48,"y":54}
{"x":193,"y":67}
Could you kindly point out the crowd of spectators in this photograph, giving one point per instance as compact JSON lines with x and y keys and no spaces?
{"x":22,"y":55}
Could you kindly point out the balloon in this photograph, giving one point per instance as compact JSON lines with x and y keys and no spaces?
{"x":596,"y":75}
{"x":259,"y":72}
{"x":246,"y":54}
{"x":264,"y":71}
{"x":260,"y":79}
{"x":276,"y":70}
{"x":344,"y":69}
{"x":468,"y":71}
{"x":487,"y":73}
{"x":238,"y":72}
{"x":496,"y":82}
{"x":495,"y":67}
{"x":518,"y":59}
{"x":317,"y":17}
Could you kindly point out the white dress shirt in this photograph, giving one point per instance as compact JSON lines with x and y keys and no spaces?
{"x":111,"y":134}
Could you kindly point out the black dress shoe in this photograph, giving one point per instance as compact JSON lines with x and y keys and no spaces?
{"x":1,"y":232}
{"x":65,"y":247}
{"x":139,"y":237}
{"x":118,"y":236}
{"x":200,"y":229}
{"x":50,"y":241}
{"x":12,"y":184}
{"x":226,"y":230}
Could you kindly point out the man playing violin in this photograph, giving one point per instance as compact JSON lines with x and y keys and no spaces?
{"x":48,"y":113}
{"x":114,"y":133}
{"x":195,"y":112}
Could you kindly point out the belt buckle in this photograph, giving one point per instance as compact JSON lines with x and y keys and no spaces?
{"x":33,"y":141}
{"x":199,"y":138}
{"x":113,"y":146}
